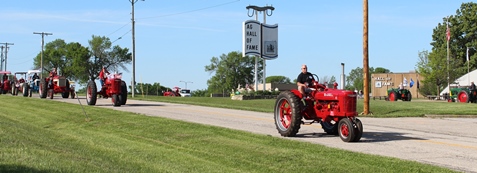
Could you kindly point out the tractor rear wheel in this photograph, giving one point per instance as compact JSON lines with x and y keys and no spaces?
{"x":25,"y":89}
{"x":346,"y":130}
{"x":43,"y":88}
{"x":288,"y":114}
{"x":124,"y":93}
{"x":358,"y":130}
{"x":115,"y":100}
{"x":91,"y":93}
{"x":392,"y":96}
{"x":330,"y":128}
{"x":463,"y":96}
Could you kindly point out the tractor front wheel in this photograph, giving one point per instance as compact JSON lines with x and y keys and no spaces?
{"x":25,"y":89}
{"x":287,"y":114}
{"x":124,"y":93}
{"x":330,"y":127}
{"x":115,"y":99}
{"x":91,"y":93}
{"x":409,"y":96}
{"x":43,"y":88}
{"x":358,"y":130}
{"x":346,"y":130}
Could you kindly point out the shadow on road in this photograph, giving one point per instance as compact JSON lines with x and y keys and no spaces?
{"x":367,"y":136}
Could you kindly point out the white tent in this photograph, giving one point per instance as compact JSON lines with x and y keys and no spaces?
{"x":463,"y":81}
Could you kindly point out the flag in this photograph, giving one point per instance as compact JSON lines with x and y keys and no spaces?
{"x":404,"y":82}
{"x":411,"y":83}
{"x":448,"y":32}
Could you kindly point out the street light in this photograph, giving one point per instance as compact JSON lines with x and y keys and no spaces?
{"x":186,"y":83}
{"x":133,"y":85}
{"x":342,"y":75}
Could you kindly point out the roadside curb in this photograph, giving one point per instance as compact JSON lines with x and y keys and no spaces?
{"x":450,"y":116}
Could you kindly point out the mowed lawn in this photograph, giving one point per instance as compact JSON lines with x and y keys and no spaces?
{"x":41,"y":135}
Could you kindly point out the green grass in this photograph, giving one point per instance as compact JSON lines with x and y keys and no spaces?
{"x":378,"y":108}
{"x":47,"y":136}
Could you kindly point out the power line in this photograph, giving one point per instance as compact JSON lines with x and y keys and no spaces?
{"x":6,"y":55}
{"x":42,"y":45}
{"x":200,"y":9}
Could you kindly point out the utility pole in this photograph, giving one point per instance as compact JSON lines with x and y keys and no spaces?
{"x":42,"y":45}
{"x":6,"y":55}
{"x":1,"y":58}
{"x":133,"y":83}
{"x":186,"y":83}
{"x":257,"y":9}
{"x":365,"y":58}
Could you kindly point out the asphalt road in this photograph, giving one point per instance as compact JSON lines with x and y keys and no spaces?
{"x":447,"y":142}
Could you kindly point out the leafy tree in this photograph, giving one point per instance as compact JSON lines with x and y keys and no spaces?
{"x":113,"y":58}
{"x":453,"y":63}
{"x":80,"y":63}
{"x":151,"y":89}
{"x":200,"y":93}
{"x":53,"y":57}
{"x":278,"y":79}
{"x":355,"y":79}
{"x":230,"y":71}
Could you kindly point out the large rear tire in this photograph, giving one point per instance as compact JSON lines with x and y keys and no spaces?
{"x":115,"y":100}
{"x":288,"y":114}
{"x":346,"y":130}
{"x":463,"y":96}
{"x":409,"y":96}
{"x":91,"y":93}
{"x":392,"y":96}
{"x":124,"y":93}
{"x":43,"y":88}
{"x":25,"y":89}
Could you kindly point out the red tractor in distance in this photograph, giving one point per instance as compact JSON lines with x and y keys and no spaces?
{"x":174,"y":93}
{"x":334,"y":109}
{"x":113,"y":87}
{"x":53,"y":84}
{"x":20,"y":84}
{"x":5,"y":83}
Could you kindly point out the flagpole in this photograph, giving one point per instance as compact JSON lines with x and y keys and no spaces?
{"x":448,"y":38}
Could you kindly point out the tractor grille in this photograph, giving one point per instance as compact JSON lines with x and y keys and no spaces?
{"x":62,"y":81}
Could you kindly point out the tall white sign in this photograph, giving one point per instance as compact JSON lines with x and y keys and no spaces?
{"x":251,"y":38}
{"x":269,"y":41}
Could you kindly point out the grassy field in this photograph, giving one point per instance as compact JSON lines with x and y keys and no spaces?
{"x":47,"y":136}
{"x":378,"y":108}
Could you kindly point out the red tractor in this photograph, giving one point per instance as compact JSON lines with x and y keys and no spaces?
{"x":20,"y":85}
{"x":5,"y":83}
{"x":113,"y":87}
{"x":334,"y":109}
{"x":175,"y":92}
{"x":54,"y":84}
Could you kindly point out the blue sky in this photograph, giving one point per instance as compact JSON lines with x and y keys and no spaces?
{"x":176,"y":39}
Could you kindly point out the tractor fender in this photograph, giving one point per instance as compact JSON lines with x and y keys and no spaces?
{"x":296,"y":93}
